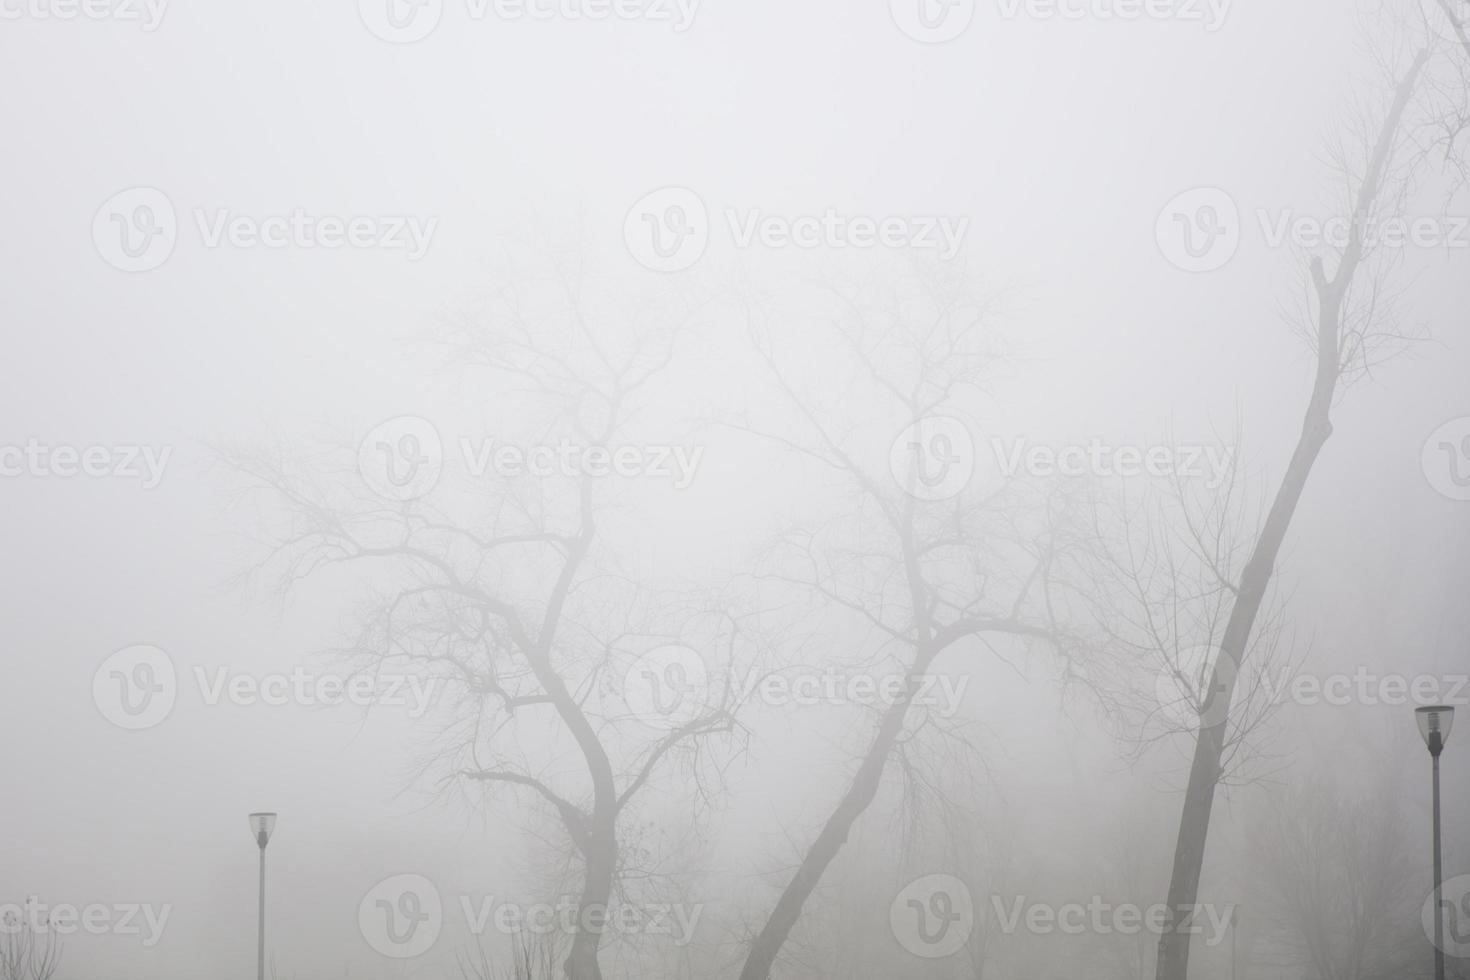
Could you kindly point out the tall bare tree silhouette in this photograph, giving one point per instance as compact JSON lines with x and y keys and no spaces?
{"x":926,"y":562}
{"x":1352,"y":326}
{"x":508,"y":592}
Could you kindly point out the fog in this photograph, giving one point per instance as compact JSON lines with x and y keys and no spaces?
{"x":788,"y":480}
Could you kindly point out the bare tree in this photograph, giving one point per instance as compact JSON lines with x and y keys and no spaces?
{"x":1354,"y":330}
{"x":29,"y":950}
{"x":531,"y":958}
{"x":1334,"y":882}
{"x":920,"y":570}
{"x":1167,"y":566}
{"x":509,"y":592}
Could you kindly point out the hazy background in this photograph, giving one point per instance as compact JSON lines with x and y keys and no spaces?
{"x":1061,"y":141}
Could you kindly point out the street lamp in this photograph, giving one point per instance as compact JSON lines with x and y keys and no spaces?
{"x":262,"y":825}
{"x":1435,"y":724}
{"x":1234,"y":938}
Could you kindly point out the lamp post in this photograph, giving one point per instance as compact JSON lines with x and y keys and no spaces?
{"x":1234,"y":937}
{"x":1435,"y":724}
{"x":262,"y":825}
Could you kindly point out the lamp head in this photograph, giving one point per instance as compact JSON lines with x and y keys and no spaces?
{"x":262,"y":825}
{"x":1435,"y":723}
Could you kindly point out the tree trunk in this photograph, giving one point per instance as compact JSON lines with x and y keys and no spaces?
{"x":592,"y":909}
{"x":860,"y":794}
{"x":1204,"y":772}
